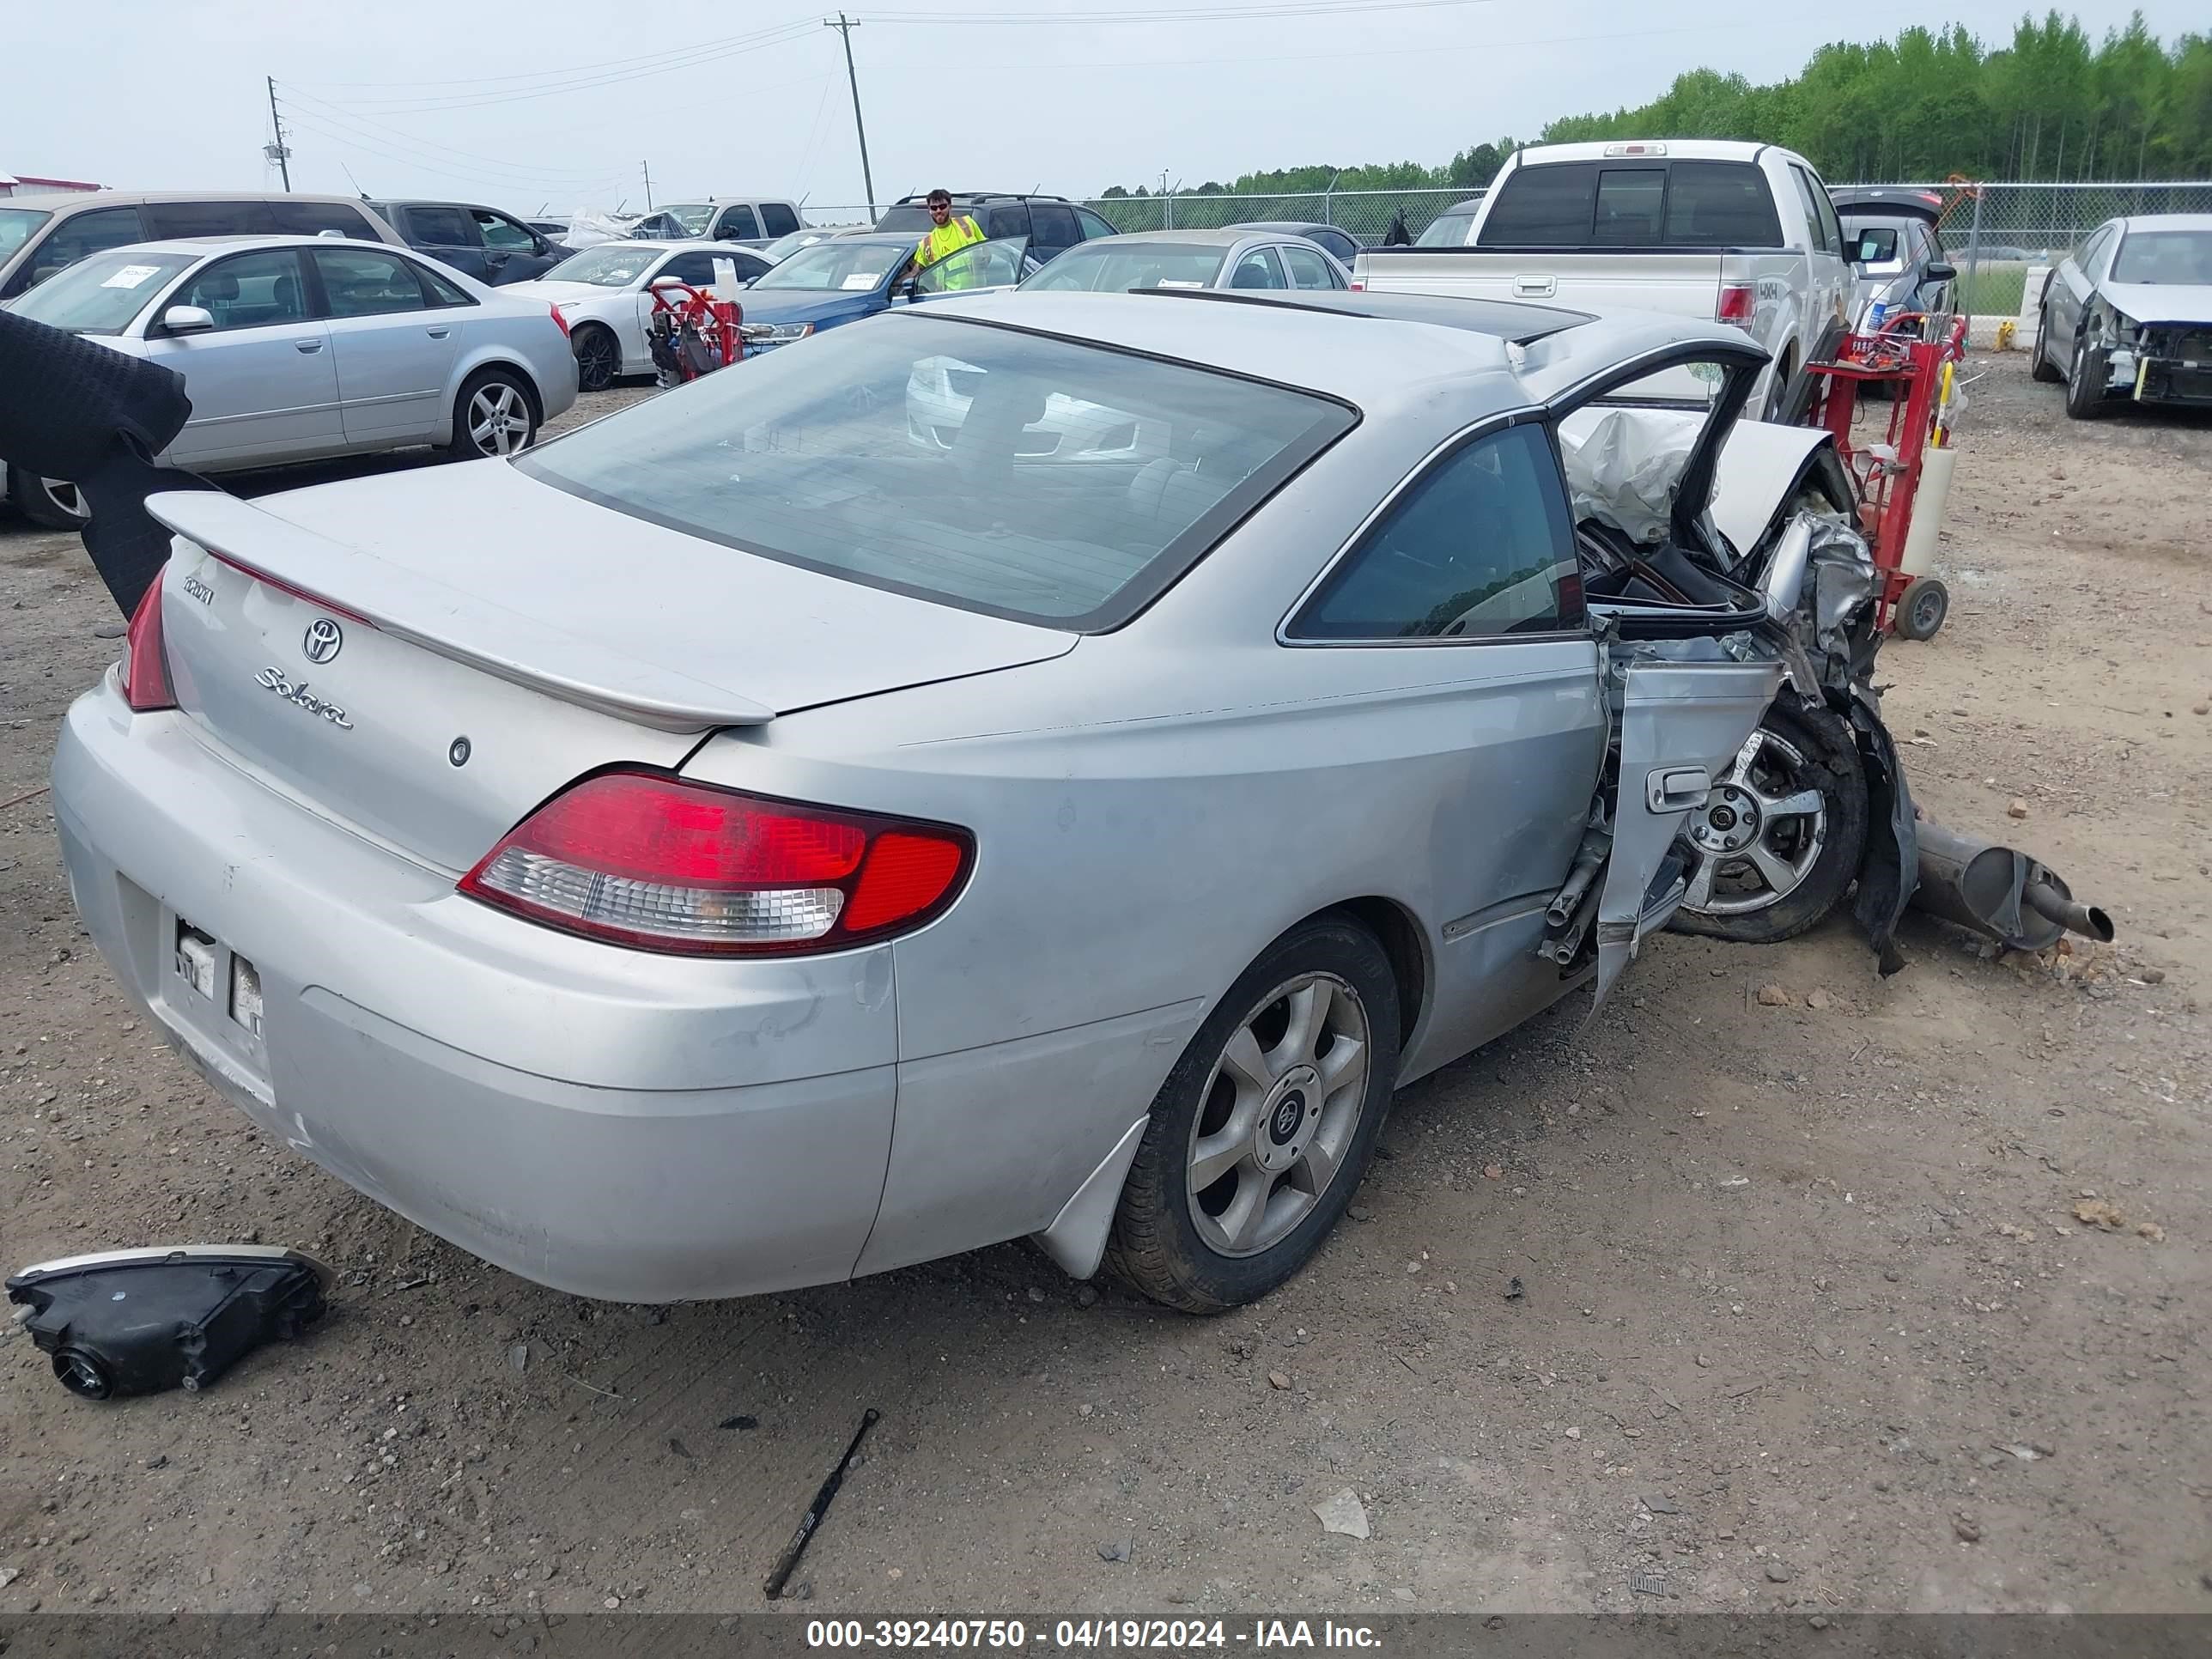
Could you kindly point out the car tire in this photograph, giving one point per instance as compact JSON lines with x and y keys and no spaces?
{"x":49,"y":501}
{"x":598,"y":357}
{"x":1263,"y":1102}
{"x":2039,"y":365}
{"x":1782,"y":394}
{"x":2085,"y":382}
{"x":1922,"y":608}
{"x":1798,"y":747}
{"x":495,"y":413}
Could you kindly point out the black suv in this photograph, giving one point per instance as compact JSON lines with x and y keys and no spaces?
{"x":482,"y":242}
{"x":1052,"y":224}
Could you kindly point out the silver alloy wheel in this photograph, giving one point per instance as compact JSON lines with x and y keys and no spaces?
{"x":1278,"y":1115}
{"x":1761,"y":830}
{"x":498,"y":419}
{"x":67,"y":498}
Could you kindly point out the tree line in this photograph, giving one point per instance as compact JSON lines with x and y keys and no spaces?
{"x":2049,"y":106}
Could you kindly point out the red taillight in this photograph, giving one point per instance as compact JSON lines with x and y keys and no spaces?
{"x":559,"y":321}
{"x":661,"y":864}
{"x":1358,"y":286}
{"x":1735,"y":307}
{"x":145,"y":666}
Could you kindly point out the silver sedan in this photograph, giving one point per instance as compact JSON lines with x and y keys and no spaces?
{"x":1247,"y":260}
{"x":297,"y":348}
{"x":823,"y":853}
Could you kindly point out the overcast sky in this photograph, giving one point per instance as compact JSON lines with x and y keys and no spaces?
{"x":409,"y":97}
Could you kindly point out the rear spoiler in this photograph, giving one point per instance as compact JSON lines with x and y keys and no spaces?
{"x":448,"y":620}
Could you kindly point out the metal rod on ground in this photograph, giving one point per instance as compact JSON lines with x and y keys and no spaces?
{"x":845,"y":26}
{"x":779,"y":1574}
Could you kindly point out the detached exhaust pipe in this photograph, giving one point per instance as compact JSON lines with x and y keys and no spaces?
{"x":1999,"y":893}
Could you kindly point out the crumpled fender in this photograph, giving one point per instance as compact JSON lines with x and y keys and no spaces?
{"x":1890,"y":869}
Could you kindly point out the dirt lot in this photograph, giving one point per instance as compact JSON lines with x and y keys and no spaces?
{"x":1808,"y":1319}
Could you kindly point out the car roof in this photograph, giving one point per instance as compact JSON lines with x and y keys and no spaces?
{"x":901,"y":238}
{"x":1654,"y":149}
{"x":100,"y":198}
{"x":1913,"y":203}
{"x":2167,"y":222}
{"x":203,"y":246}
{"x":667,"y":244}
{"x":1288,"y":226}
{"x":982,"y":196}
{"x":1373,"y":350}
{"x":1227,"y":237}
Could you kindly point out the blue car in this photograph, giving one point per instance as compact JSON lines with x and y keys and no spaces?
{"x":845,"y":279}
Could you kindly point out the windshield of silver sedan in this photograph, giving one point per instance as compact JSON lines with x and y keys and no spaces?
{"x":610,"y":264}
{"x":101,"y":293}
{"x":984,"y":467}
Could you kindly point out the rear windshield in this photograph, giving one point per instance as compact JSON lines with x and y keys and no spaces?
{"x":1633,"y":205}
{"x":2181,"y":258}
{"x":1446,"y":230}
{"x":1116,"y":267}
{"x":997,"y":471}
{"x":101,"y":293}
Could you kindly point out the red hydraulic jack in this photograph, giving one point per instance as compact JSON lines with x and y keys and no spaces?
{"x":1916,"y":355}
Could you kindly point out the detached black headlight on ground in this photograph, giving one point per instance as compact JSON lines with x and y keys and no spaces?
{"x":141,"y":1321}
{"x":773,"y":334}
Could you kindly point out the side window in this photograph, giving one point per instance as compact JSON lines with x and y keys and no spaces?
{"x":253,"y":290}
{"x":1812,"y":209}
{"x":981,"y":265}
{"x":1257,"y":268}
{"x":359,"y":284}
{"x":1548,"y":206}
{"x":1478,"y":547}
{"x":209,"y":218}
{"x":2093,"y":252}
{"x":440,"y":290}
{"x":500,"y":232}
{"x":1053,"y":226}
{"x":736,"y":224}
{"x":314,"y":218}
{"x":1009,"y":221}
{"x":1093,"y":225}
{"x":1308,"y":269}
{"x":439,"y":227}
{"x":1629,"y":200}
{"x":80,"y":234}
{"x":697,"y":269}
{"x":778,"y":219}
{"x":1832,"y":229}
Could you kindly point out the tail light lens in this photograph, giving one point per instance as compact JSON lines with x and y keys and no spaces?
{"x":1735,"y":307}
{"x":1358,"y":286}
{"x":559,"y":321}
{"x":657,"y":863}
{"x":145,"y":666}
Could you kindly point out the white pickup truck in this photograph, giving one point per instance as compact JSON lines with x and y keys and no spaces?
{"x":1741,"y":233}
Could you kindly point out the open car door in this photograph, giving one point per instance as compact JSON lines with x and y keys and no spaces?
{"x":1689,"y":657}
{"x":975,"y":269}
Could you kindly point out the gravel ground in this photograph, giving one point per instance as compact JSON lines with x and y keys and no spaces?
{"x":1808,"y":1318}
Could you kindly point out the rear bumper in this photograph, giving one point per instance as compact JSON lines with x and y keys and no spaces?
{"x":618,"y":1126}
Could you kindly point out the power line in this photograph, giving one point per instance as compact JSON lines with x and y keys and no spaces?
{"x":367,"y":127}
{"x":737,"y":46}
{"x":1274,"y":10}
{"x":845,"y":26}
{"x":347,"y":141}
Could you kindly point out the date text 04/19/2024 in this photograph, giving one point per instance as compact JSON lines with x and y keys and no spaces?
{"x":1085,"y":1635}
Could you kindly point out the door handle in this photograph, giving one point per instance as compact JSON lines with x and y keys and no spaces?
{"x":308,"y":346}
{"x":1676,"y":789}
{"x":441,"y":333}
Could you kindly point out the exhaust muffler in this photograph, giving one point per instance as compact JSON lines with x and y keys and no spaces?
{"x":1999,"y":892}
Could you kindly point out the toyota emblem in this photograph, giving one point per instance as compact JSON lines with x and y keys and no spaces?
{"x":322,"y":641}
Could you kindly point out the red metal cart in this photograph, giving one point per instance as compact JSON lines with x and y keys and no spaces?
{"x":690,"y":331}
{"x":1916,"y":355}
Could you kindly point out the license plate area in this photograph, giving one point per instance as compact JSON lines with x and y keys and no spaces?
{"x":212,"y":989}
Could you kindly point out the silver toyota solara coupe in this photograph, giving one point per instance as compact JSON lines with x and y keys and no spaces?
{"x":821,"y":853}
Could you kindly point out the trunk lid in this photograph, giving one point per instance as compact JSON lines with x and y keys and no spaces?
{"x":429,"y":655}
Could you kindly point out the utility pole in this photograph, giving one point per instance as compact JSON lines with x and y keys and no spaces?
{"x":845,"y":26}
{"x":278,"y":151}
{"x":646,"y":167}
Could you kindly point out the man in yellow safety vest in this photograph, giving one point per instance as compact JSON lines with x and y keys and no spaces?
{"x":947,"y":235}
